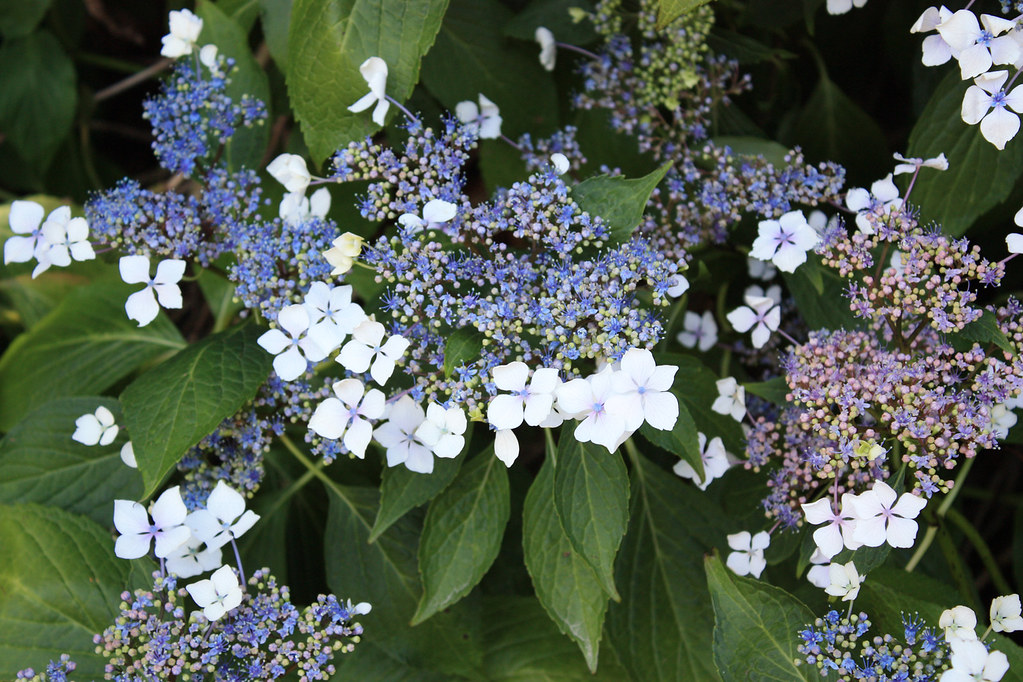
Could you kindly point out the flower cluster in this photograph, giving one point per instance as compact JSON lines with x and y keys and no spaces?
{"x":265,"y":637}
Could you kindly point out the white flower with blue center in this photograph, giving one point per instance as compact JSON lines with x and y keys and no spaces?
{"x":988,"y":104}
{"x":218,"y":595}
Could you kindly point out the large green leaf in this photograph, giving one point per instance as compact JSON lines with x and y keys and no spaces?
{"x":619,"y":201}
{"x":38,"y":106}
{"x":60,"y":584}
{"x":473,"y":57}
{"x":755,"y":628}
{"x":401,"y":490}
{"x":247,"y":145}
{"x":662,"y":628}
{"x":462,"y":533}
{"x":83,"y":347}
{"x":682,"y":440}
{"x":565,"y":583}
{"x":274,"y":18}
{"x":670,"y":10}
{"x":42,"y":464}
{"x":385,"y":574}
{"x":173,"y":406}
{"x":19,"y":18}
{"x":979,"y":176}
{"x":591,"y":493}
{"x":329,"y":39}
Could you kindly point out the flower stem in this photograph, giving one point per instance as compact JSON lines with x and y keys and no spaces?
{"x":238,"y":560}
{"x":133,"y":80}
{"x":932,"y":530}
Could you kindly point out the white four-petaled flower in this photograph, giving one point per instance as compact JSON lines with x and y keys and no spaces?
{"x":748,"y":557}
{"x":761,"y":314}
{"x":1005,"y":613}
{"x":699,"y":331}
{"x":184,"y":32}
{"x":880,"y":518}
{"x":374,"y":72}
{"x":218,"y":595}
{"x":844,"y":581}
{"x":528,"y":399}
{"x":731,"y":399}
{"x":290,"y":170}
{"x":715,"y":462}
{"x":366,"y":352}
{"x":911,"y":164}
{"x":485,"y":119}
{"x":972,"y":662}
{"x":343,"y":252}
{"x":443,"y":430}
{"x":435,"y":213}
{"x":978,"y":46}
{"x":785,"y":241}
{"x":167,"y":528}
{"x":839,"y":525}
{"x":296,"y":207}
{"x":95,"y":428}
{"x":643,"y":391}
{"x":224,"y":518}
{"x":300,"y":345}
{"x":193,"y":558}
{"x":987,"y":103}
{"x":877,"y":204}
{"x":61,"y":239}
{"x":142,"y":306}
{"x":349,"y":415}
{"x":398,"y":436}
{"x":332,"y":314}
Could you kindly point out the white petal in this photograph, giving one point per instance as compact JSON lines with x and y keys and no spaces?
{"x":742,"y":318}
{"x":169,"y":272}
{"x":169,"y":295}
{"x":999,"y":126}
{"x":134,"y":269}
{"x":274,"y":341}
{"x":438,"y":211}
{"x":128,"y":455}
{"x":961,"y":30}
{"x":25,"y":216}
{"x":505,"y":412}
{"x":19,"y":249}
{"x":506,"y":446}
{"x":290,"y":364}
{"x":130,"y":518}
{"x":142,"y":307}
{"x":329,"y":419}
{"x":225,"y":502}
{"x":511,"y":377}
{"x":131,"y":546}
{"x":88,"y":430}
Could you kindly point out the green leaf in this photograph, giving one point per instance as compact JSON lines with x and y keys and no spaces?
{"x":83,"y":347}
{"x":274,"y":18}
{"x":755,"y":628}
{"x":557,"y":16}
{"x":61,"y":583}
{"x":565,"y":583}
{"x":984,"y":330}
{"x":473,"y":56}
{"x":38,"y":106}
{"x":744,"y":49}
{"x":18,"y":19}
{"x":385,"y":574}
{"x":173,"y":406}
{"x":591,"y":493}
{"x":402,"y":490}
{"x":241,"y":12}
{"x":329,"y":39}
{"x":521,"y":645}
{"x":979,"y":176}
{"x":832,"y":127}
{"x":619,"y":201}
{"x":42,"y":464}
{"x":463,"y":345}
{"x":219,"y":295}
{"x":661,"y":630}
{"x":773,"y":390}
{"x":670,"y":10}
{"x":462,"y":533}
{"x":681,"y":441}
{"x":696,"y":387}
{"x":819,"y":297}
{"x":247,"y":145}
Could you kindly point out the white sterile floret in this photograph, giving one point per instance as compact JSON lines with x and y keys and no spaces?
{"x":819,"y":574}
{"x":843,"y":6}
{"x":698,"y":331}
{"x":167,"y":528}
{"x":443,"y":431}
{"x":61,"y":239}
{"x":96,"y":428}
{"x":589,"y":400}
{"x":560,"y":162}
{"x":483,"y":120}
{"x":208,"y":58}
{"x":785,"y":241}
{"x":731,"y":399}
{"x":193,"y":558}
{"x":128,"y":455}
{"x":374,"y":72}
{"x":1002,"y":419}
{"x":529,"y":399}
{"x":142,"y":306}
{"x":772,"y":292}
{"x":548,"y":47}
{"x":349,"y":415}
{"x":911,"y":164}
{"x":343,"y":253}
{"x":290,"y":170}
{"x":1014,"y":242}
{"x":332,"y":314}
{"x":298,"y":346}
{"x":935,"y":50}
{"x":880,"y":518}
{"x":296,"y":207}
{"x":839,"y":525}
{"x":25,"y":219}
{"x":760,"y":269}
{"x":959,"y":622}
{"x":748,"y":557}
{"x":972,"y":662}
{"x":762,"y":315}
{"x":643,"y":391}
{"x":366,"y":352}
{"x":225,"y":517}
{"x":218,"y":595}
{"x":987,"y":103}
{"x":1005,"y":614}
{"x":844,"y":581}
{"x":882,"y":199}
{"x":506,"y":446}
{"x":975,"y":44}
{"x":398,"y":436}
{"x":436,"y":212}
{"x":715,"y":462}
{"x":184,"y":32}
